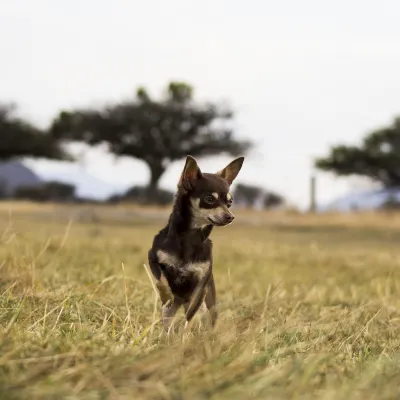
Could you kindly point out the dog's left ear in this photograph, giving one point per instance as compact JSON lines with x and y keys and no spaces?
{"x":190,"y":174}
{"x":230,"y":172}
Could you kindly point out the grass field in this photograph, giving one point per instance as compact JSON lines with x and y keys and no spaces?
{"x":309,"y":308}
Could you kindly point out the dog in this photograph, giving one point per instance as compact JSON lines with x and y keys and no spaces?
{"x":180,"y":258}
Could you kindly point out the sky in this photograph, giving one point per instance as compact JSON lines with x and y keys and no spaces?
{"x":300,"y":75}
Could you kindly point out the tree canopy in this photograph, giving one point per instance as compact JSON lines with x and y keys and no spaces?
{"x":378,"y":157}
{"x":19,"y":138}
{"x":157,"y":132}
{"x":253,"y":196}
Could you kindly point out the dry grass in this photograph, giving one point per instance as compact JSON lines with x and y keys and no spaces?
{"x":309,"y":308}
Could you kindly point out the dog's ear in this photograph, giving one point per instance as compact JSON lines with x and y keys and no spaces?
{"x":230,"y":172}
{"x":190,"y":174}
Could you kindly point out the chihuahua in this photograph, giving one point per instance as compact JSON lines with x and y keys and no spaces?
{"x":181,"y":255}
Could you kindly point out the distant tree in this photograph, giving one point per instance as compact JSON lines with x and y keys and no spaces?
{"x":157,"y":132}
{"x":272,"y":200}
{"x":378,"y":157}
{"x":253,"y":196}
{"x":392,"y":204}
{"x":140,"y":195}
{"x":248,"y":195}
{"x":3,"y":190}
{"x":49,"y":191}
{"x":19,"y":138}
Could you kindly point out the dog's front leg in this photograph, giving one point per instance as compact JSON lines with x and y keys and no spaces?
{"x":211,"y":300}
{"x":202,"y":309}
{"x":170,"y":305}
{"x":197,"y":297}
{"x":161,"y":281}
{"x":194,"y":305}
{"x":168,"y":313}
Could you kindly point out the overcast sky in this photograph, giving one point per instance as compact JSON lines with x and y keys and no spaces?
{"x":301,"y":75}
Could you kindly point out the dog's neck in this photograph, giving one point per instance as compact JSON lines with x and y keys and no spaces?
{"x":180,"y":223}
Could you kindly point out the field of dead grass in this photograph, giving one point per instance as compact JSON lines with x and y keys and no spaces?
{"x":309,"y":308}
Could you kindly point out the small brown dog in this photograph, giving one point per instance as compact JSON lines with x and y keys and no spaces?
{"x":181,"y":256}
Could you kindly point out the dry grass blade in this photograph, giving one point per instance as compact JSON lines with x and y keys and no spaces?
{"x":155,"y":299}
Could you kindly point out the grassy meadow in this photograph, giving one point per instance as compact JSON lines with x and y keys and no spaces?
{"x":309,"y":307}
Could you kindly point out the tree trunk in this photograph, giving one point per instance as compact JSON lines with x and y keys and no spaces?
{"x":156,"y":171}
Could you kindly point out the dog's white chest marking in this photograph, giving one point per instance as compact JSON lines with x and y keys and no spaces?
{"x":199,"y":269}
{"x":166,"y":258}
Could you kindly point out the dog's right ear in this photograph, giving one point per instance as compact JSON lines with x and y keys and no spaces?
{"x":190,"y":174}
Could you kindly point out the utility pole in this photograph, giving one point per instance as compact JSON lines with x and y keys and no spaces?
{"x":313,"y":192}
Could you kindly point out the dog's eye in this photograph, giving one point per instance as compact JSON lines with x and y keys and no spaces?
{"x":229,"y":203}
{"x":209,"y":199}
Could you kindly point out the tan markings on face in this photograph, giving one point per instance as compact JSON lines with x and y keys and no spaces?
{"x":218,"y":211}
{"x":229,"y":197}
{"x":201,"y":215}
{"x":215,"y":195}
{"x":166,"y":258}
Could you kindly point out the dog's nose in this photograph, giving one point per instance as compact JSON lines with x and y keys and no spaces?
{"x":229,"y":217}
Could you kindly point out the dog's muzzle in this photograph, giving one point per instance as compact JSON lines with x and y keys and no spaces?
{"x":224,"y":219}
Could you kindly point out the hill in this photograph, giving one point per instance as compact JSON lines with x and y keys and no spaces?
{"x":14,"y":174}
{"x":363,"y":201}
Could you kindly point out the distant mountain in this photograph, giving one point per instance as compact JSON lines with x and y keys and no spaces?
{"x":87,"y":186}
{"x":14,"y":174}
{"x":363,"y":201}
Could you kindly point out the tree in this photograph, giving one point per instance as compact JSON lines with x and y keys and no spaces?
{"x":272,"y":200}
{"x":378,"y":157}
{"x":49,"y":191}
{"x":140,"y":195}
{"x":157,"y":132}
{"x":248,"y":195}
{"x":19,"y":138}
{"x":253,"y":196}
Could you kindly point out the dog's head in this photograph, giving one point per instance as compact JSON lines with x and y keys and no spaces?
{"x":208,"y":194}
